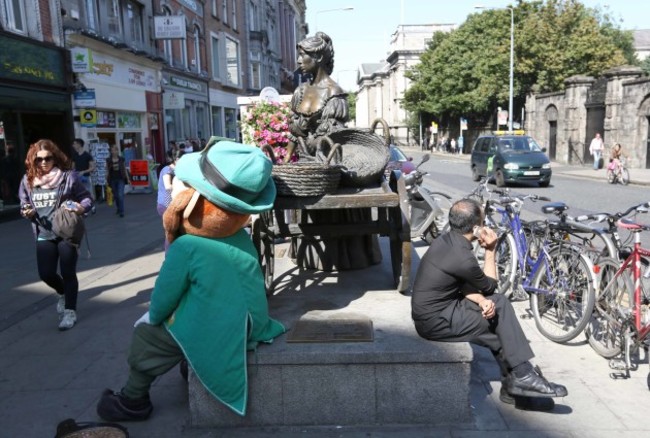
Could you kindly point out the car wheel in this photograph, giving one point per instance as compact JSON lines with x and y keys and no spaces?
{"x":544,"y":183}
{"x":475,"y":175}
{"x":499,"y":178}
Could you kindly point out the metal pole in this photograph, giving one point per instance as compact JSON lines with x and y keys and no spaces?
{"x":512,"y":53}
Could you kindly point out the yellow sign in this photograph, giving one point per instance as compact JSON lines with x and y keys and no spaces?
{"x":88,"y":118}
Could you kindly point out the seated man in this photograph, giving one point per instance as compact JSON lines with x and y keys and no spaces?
{"x":454,"y":301}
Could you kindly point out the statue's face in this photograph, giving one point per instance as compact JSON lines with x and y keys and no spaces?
{"x":305,"y":61}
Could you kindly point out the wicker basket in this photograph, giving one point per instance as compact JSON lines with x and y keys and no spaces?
{"x":364,"y":154}
{"x":306,"y":178}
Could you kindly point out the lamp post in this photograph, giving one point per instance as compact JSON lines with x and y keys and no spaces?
{"x":348,"y":8}
{"x":512,"y":58}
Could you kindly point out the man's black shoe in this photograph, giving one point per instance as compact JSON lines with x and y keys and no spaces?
{"x":523,"y":403}
{"x":534,"y":384}
{"x":113,"y":406}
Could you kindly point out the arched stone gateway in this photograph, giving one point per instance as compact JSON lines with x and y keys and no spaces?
{"x":617,"y":105}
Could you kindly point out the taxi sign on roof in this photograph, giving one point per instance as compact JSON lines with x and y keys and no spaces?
{"x":515,"y":132}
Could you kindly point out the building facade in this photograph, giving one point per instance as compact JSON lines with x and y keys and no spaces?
{"x":382,"y":85}
{"x":35,"y":80}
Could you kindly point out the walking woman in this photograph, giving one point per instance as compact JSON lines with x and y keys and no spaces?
{"x":117,"y":177}
{"x":48,"y":183}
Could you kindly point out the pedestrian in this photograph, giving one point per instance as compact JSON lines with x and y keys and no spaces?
{"x":452,"y":146}
{"x":615,"y":159}
{"x":117,"y":178}
{"x":84,"y":164}
{"x":165,"y":186}
{"x":48,"y":183}
{"x":453,"y":300}
{"x":596,"y":148}
{"x":209,"y":302}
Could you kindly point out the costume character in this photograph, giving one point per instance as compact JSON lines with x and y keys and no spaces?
{"x":209,"y":303}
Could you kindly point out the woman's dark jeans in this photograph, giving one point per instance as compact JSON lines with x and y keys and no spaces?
{"x":49,"y":253}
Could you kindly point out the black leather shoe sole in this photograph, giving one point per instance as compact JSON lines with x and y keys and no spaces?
{"x":534,"y":385}
{"x":541,"y":404}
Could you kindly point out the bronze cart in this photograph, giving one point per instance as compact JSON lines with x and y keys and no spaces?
{"x":391,"y":213}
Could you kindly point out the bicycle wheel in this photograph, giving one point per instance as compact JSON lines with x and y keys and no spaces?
{"x":625,"y":176}
{"x":614,"y":300}
{"x":506,"y":261}
{"x":611,"y":177}
{"x":563,"y":295}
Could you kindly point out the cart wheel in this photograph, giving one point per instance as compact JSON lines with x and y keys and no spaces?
{"x":265,"y":249}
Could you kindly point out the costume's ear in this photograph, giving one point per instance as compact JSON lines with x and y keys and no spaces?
{"x":173,"y":216}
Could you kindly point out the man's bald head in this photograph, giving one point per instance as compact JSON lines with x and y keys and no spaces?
{"x":464,"y":215}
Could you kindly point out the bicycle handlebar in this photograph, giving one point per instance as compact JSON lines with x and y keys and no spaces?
{"x":601,"y":217}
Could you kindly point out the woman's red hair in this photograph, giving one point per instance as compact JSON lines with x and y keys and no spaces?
{"x":61,"y":160}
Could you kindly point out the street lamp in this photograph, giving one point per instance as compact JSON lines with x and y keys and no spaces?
{"x":348,"y":8}
{"x":512,"y":58}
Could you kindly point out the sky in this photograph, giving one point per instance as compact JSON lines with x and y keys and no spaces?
{"x":362,"y":35}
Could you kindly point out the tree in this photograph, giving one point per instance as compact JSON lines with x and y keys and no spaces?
{"x":466,"y":72}
{"x":352,"y":105}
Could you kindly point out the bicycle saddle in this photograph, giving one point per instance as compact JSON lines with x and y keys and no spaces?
{"x":554,"y":207}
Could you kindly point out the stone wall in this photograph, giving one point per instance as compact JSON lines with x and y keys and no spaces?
{"x":625,"y":101}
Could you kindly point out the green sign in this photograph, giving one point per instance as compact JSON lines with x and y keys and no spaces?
{"x":31,"y":62}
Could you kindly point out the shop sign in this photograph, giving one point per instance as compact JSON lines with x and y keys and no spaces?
{"x":109,"y":69}
{"x":106,"y":119}
{"x":169,"y":27}
{"x":88,"y":118}
{"x":194,"y":6}
{"x":31,"y":62}
{"x":128,"y":120}
{"x":82,"y":60}
{"x":184,"y":83}
{"x":139,"y":170}
{"x":173,"y":100}
{"x":85,"y":99}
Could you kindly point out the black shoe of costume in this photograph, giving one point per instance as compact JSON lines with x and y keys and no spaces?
{"x":113,"y":406}
{"x":182,"y":367}
{"x":534,"y":384}
{"x":542,"y":404}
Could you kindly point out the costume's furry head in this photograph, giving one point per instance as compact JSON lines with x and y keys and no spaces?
{"x":190,"y":213}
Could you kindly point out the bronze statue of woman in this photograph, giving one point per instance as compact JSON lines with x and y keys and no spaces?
{"x":319,"y":108}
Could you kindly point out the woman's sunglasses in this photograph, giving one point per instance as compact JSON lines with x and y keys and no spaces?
{"x":47,"y":159}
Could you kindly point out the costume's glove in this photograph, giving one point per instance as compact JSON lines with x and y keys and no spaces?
{"x":144,"y":319}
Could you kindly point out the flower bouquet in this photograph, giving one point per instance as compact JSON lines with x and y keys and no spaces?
{"x":267,"y":124}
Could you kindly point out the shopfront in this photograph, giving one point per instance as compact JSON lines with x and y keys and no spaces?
{"x":34,"y":104}
{"x":125,"y":89}
{"x":185,"y":102}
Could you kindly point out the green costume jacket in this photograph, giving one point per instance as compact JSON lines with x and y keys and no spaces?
{"x":210,"y":296}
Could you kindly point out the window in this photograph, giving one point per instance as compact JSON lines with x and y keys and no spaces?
{"x":215,"y":58}
{"x":183,"y":46}
{"x":113,"y":18}
{"x":197,"y":49}
{"x":217,"y":121}
{"x":91,"y":14}
{"x":232,"y":61}
{"x":15,"y":11}
{"x":256,"y":76}
{"x":224,"y":11}
{"x":167,"y":43}
{"x":252,"y":17}
{"x":133,"y":22}
{"x":234,"y":14}
{"x":215,"y":9}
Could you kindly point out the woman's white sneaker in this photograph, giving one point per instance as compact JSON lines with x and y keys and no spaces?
{"x":68,"y":320}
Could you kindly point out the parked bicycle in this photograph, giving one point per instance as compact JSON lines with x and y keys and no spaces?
{"x":620,"y":325}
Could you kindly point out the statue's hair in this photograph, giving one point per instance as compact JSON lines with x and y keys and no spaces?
{"x":320,"y":44}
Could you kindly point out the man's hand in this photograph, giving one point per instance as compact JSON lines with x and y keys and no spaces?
{"x":487,"y":238}
{"x":488,"y":309}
